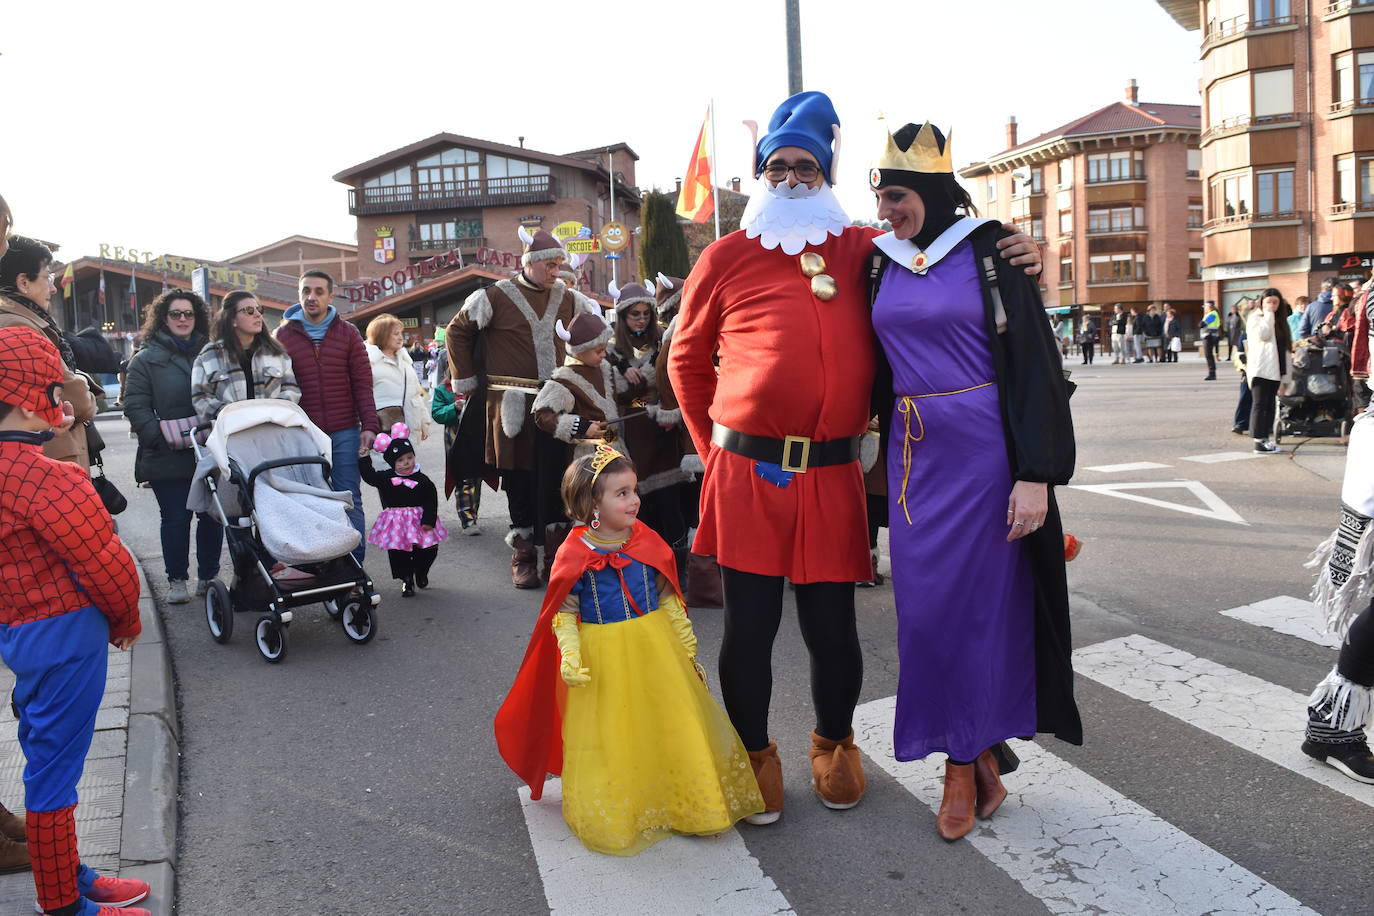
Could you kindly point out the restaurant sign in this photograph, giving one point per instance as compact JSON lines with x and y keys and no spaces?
{"x":222,"y":276}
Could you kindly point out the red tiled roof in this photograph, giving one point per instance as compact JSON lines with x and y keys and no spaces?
{"x":1119,"y":117}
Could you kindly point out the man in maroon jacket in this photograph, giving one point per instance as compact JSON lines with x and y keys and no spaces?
{"x":335,"y":377}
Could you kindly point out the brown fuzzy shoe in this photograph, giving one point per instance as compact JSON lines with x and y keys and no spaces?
{"x":13,"y":856}
{"x":837,"y":772}
{"x":768,"y":772}
{"x":955,"y":819}
{"x":12,"y":825}
{"x":988,"y":782}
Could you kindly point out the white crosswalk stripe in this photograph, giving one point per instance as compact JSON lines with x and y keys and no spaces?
{"x":679,"y":875}
{"x":1080,"y":846}
{"x":1289,"y":616}
{"x":1250,"y":713}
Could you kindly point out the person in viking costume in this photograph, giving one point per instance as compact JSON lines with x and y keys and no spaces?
{"x":502,"y":347}
{"x":1340,"y":708}
{"x":783,"y":306}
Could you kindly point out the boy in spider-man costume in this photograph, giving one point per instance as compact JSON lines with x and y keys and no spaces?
{"x":67,"y":587}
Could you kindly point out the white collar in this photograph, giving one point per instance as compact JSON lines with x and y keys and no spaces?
{"x":909,"y":255}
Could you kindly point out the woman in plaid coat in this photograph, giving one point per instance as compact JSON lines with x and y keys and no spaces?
{"x":241,"y":361}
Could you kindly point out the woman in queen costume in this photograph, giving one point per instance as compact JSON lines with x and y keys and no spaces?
{"x":977,"y":417}
{"x":610,"y":694}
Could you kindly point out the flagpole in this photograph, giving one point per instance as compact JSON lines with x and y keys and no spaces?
{"x":610,"y":170}
{"x":715,"y":179}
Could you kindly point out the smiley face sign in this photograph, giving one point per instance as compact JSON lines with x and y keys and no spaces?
{"x":614,"y":236}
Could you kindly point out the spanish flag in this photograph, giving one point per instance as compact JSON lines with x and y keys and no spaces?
{"x":68,"y":278}
{"x":696,"y":201}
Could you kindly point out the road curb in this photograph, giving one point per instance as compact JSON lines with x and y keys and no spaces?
{"x":148,"y":832}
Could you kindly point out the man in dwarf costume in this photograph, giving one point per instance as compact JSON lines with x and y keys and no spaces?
{"x":502,"y":347}
{"x":773,"y":363}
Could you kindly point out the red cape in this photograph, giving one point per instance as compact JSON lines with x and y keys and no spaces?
{"x":529,"y":724}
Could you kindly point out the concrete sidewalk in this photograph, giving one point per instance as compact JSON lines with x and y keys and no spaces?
{"x":126,"y":817}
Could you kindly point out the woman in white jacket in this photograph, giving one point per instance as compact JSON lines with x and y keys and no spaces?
{"x":395,"y":388}
{"x":1267,"y":341}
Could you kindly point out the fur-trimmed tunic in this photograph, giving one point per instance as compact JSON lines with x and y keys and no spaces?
{"x":577,"y":396}
{"x":502,"y":347}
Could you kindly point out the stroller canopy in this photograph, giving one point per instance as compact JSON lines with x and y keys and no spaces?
{"x":243,"y":415}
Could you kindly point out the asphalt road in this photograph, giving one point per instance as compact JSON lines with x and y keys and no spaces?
{"x":361,"y":779}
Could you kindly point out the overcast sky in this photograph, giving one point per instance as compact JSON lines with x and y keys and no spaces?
{"x":210,"y":129}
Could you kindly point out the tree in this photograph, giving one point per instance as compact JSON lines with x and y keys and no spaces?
{"x":664,"y":248}
{"x":699,"y":235}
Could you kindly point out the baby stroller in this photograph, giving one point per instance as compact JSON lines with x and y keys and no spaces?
{"x":264,"y":472}
{"x":1313,"y":401}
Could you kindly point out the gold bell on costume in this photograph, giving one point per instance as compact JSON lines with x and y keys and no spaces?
{"x":822,"y":284}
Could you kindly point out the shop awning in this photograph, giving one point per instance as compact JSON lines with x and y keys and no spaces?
{"x":1058,"y":310}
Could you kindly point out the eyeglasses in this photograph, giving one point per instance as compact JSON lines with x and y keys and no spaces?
{"x":777,"y":171}
{"x":251,"y":310}
{"x":180,"y":313}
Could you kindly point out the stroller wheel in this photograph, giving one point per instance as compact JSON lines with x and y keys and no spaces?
{"x":359,"y":620}
{"x":271,"y":639}
{"x":219,"y":611}
{"x":331,"y":607}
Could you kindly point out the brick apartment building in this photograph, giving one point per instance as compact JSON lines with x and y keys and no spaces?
{"x":418,"y":205}
{"x":1287,"y":144}
{"x":298,"y":253}
{"x":1114,"y":196}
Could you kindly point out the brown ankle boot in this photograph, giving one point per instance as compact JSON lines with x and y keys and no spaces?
{"x":955,"y":819}
{"x":554,"y":536}
{"x":12,"y":825}
{"x":988,"y":782}
{"x":768,"y":772}
{"x":523,"y":572}
{"x":13,"y":856}
{"x":837,"y":771}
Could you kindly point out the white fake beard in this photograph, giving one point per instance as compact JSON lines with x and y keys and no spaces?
{"x":793,"y":217}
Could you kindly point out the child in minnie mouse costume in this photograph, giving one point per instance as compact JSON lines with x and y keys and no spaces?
{"x":408,"y":525}
{"x":68,"y":590}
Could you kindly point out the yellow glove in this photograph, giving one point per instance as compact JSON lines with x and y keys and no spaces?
{"x":570,"y":648}
{"x":670,"y":604}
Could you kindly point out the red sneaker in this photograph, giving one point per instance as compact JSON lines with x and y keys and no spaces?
{"x":117,"y":892}
{"x":108,"y":910}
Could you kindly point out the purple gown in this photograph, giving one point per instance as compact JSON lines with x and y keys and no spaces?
{"x":965,"y":597}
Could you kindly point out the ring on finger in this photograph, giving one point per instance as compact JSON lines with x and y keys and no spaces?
{"x":1020,"y":524}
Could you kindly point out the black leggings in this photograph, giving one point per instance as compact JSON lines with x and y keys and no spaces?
{"x":753,"y":612}
{"x":1356,"y":661}
{"x":1262,"y":407}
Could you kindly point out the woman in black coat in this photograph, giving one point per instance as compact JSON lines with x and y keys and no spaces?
{"x":159,"y":389}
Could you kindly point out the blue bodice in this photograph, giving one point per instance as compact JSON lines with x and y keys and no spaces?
{"x":601,"y":598}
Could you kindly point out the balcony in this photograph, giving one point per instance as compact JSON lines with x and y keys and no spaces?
{"x":1220,"y":30}
{"x":1115,"y":230}
{"x":1138,"y":175}
{"x":1346,"y":6}
{"x":466,"y":245}
{"x":490,"y":192}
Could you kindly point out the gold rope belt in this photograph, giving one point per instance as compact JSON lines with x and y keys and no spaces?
{"x":513,"y":383}
{"x":908,"y":407}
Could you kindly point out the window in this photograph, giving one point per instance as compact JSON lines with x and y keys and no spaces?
{"x":1066,"y":222}
{"x":1273,"y":94}
{"x":1115,"y":219}
{"x":1345,"y":180}
{"x":1365,"y":172}
{"x":390,"y":179}
{"x":1116,"y":268}
{"x":991,"y":190}
{"x":1194,"y":265}
{"x":1194,"y":163}
{"x":1274,"y":193}
{"x":1066,"y":270}
{"x":1063,"y":200}
{"x":502,"y":167}
{"x":1037,"y":228}
{"x":1037,"y":181}
{"x":1231,"y":196}
{"x":1066,"y":173}
{"x":1228,"y":102}
{"x":1118,"y":166}
{"x":1271,"y":12}
{"x":446,"y":166}
{"x":435,"y":234}
{"x":1227,"y":16}
{"x":1195,"y":216}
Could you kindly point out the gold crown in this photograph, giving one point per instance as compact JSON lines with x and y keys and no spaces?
{"x":384,"y":231}
{"x":604,"y":455}
{"x":922,"y":156}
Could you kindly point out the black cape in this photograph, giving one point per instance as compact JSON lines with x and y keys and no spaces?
{"x":1038,"y":428}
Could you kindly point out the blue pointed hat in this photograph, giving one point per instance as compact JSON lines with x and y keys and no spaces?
{"x":803,"y":120}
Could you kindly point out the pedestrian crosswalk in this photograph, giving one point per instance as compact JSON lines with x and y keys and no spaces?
{"x":1071,"y":842}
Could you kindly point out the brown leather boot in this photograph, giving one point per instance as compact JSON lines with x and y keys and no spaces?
{"x":13,"y":856}
{"x":554,"y":536}
{"x":12,"y":825}
{"x":768,"y":772}
{"x":523,"y":569}
{"x":988,"y":781}
{"x":837,"y":771}
{"x":955,"y":819}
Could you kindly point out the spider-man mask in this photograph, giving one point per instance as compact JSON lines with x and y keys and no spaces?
{"x":31,"y":373}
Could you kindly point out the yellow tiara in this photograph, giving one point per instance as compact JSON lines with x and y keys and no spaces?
{"x":923,"y":155}
{"x":604,"y":455}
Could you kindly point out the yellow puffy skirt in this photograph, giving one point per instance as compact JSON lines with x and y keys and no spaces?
{"x":647,"y":751}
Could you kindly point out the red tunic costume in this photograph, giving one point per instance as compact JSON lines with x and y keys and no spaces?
{"x":791,"y":364}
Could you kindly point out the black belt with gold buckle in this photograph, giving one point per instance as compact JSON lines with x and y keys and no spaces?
{"x":795,"y":454}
